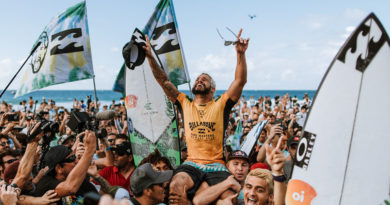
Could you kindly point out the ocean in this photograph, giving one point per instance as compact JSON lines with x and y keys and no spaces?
{"x":65,"y":97}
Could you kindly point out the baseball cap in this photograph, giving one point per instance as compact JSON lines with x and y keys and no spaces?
{"x":63,"y":138}
{"x":55,"y":155}
{"x":133,"y":53}
{"x":238,"y":154}
{"x":293,"y":140}
{"x":145,"y":175}
{"x":259,"y":165}
{"x":121,"y":193}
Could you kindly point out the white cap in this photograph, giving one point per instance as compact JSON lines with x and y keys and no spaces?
{"x":122,"y":193}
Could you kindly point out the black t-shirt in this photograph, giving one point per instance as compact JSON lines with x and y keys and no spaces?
{"x":50,"y":183}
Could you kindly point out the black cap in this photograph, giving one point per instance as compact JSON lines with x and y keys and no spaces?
{"x":238,"y":154}
{"x":293,"y":140}
{"x":55,"y":155}
{"x":133,"y":53}
{"x":145,"y":175}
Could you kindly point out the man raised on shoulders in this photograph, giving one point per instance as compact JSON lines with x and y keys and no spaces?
{"x":205,"y":121}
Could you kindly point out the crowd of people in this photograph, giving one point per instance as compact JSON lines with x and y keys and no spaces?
{"x":48,"y":157}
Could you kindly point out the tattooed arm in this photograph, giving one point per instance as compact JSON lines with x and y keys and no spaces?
{"x":161,"y":77}
{"x":105,"y":185}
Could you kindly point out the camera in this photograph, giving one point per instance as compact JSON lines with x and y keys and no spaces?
{"x":12,"y":117}
{"x":46,"y":125}
{"x":81,"y":121}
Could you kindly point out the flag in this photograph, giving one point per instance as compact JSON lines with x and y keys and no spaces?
{"x":163,"y":33}
{"x":64,"y":54}
{"x":119,"y":85}
{"x":151,"y":114}
{"x":235,"y":144}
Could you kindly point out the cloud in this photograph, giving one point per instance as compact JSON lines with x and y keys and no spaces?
{"x":314,"y":21}
{"x":348,"y":31}
{"x":288,"y":74}
{"x":114,"y":49}
{"x":5,"y":62}
{"x":354,"y":14}
{"x":304,"y":46}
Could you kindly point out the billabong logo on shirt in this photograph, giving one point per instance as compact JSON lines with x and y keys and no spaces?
{"x":209,"y":125}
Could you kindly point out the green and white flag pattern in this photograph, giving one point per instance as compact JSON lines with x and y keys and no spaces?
{"x":163,"y":32}
{"x":64,"y":54}
{"x":152,"y":122}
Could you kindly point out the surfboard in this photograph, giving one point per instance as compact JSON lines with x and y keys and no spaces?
{"x":251,"y":138}
{"x":342,"y":156}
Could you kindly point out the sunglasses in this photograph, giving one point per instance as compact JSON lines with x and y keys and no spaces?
{"x":5,"y":143}
{"x":10,"y":161}
{"x":119,"y":152}
{"x":228,"y":43}
{"x":70,"y":159}
{"x":111,"y":140}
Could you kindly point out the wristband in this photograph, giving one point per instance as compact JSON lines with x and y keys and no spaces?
{"x":280,"y":178}
{"x":108,"y":148}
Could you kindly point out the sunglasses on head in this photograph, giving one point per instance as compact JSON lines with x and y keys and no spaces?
{"x":70,"y":159}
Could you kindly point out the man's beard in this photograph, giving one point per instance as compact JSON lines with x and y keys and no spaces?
{"x":205,"y":91}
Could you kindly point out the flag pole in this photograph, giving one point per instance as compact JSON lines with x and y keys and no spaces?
{"x":96,"y":99}
{"x":181,"y":46}
{"x":93,"y":76}
{"x":32,"y":51}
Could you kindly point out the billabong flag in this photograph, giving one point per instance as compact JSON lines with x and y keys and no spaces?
{"x":163,"y":32}
{"x":151,"y":117}
{"x":64,"y":54}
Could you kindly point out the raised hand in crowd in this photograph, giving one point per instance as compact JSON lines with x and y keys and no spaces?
{"x":242,"y":44}
{"x":23,"y":177}
{"x":276,"y":160}
{"x":275,"y":131}
{"x":80,"y":150}
{"x":8,"y":195}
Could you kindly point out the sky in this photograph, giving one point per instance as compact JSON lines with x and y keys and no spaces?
{"x":292,"y":43}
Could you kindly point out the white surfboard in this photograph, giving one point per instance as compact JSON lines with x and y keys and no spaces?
{"x":251,"y":138}
{"x":343,"y":157}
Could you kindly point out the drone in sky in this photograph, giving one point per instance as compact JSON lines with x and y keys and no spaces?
{"x":252,"y":16}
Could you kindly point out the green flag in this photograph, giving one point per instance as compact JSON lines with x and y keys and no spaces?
{"x":163,"y":32}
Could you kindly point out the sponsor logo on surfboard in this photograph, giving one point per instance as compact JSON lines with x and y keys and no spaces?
{"x":131,"y":101}
{"x":373,"y":32}
{"x":305,"y":148}
{"x":299,"y":192}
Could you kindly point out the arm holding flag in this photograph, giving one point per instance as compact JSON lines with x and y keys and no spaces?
{"x":161,"y":77}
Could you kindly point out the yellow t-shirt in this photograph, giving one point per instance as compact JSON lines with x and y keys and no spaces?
{"x":204,"y":127}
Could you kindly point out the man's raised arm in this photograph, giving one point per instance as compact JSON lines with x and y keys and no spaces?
{"x":161,"y":77}
{"x":235,"y":89}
